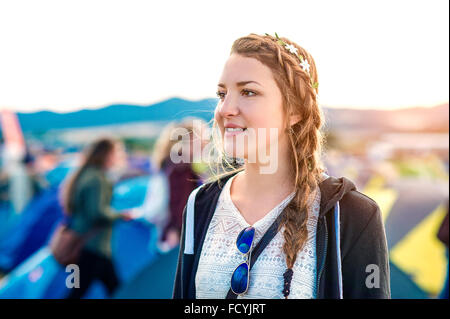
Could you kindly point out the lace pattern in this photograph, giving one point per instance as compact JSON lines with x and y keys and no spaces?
{"x":220,"y":257}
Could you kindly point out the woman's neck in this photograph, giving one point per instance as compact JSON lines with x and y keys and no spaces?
{"x":256,"y":184}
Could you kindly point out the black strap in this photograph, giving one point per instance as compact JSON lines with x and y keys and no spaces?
{"x":265,"y":240}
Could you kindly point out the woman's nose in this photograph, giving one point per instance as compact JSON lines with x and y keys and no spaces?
{"x":229,"y":106}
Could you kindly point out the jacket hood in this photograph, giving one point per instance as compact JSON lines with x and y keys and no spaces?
{"x":332,"y":190}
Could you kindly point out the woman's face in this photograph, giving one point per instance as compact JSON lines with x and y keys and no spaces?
{"x":249,"y":99}
{"x":116,"y":158}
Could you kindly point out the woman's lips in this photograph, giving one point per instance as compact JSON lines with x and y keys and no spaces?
{"x":234,"y":131}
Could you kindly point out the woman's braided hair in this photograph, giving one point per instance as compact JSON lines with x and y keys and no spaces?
{"x":299,"y":90}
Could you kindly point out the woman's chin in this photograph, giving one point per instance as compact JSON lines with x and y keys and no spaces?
{"x":234,"y":152}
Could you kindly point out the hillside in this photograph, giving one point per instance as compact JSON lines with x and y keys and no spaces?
{"x":419,"y":119}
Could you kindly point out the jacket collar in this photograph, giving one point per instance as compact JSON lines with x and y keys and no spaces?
{"x":332,"y":190}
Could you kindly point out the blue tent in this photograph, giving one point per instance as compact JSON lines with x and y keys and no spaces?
{"x":34,"y":277}
{"x":40,"y":276}
{"x":10,"y":221}
{"x":155,"y":281}
{"x":31,"y":230}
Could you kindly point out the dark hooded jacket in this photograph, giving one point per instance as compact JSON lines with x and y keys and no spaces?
{"x":359,"y":264}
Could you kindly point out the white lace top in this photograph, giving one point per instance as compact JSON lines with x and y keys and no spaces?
{"x":220,"y":256}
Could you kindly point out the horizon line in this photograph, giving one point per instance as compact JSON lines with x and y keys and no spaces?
{"x":101,"y":106}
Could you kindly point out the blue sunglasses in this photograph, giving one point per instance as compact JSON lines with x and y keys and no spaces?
{"x":240,"y":277}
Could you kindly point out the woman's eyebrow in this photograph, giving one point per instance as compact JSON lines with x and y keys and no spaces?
{"x":240,"y":83}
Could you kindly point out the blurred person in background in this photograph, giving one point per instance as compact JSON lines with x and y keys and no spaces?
{"x":86,"y":200}
{"x":183,"y":177}
{"x":20,"y":190}
{"x":3,"y":178}
{"x":23,"y":184}
{"x":3,"y":188}
{"x":37,"y":182}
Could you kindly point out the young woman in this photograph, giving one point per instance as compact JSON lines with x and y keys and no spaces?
{"x":86,"y":201}
{"x":291,"y":231}
{"x":182,"y":178}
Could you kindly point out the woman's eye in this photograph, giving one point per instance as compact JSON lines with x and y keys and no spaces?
{"x":248,"y":93}
{"x":220,"y":95}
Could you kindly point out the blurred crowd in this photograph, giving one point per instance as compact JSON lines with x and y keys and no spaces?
{"x":84,"y":181}
{"x":85,"y":194}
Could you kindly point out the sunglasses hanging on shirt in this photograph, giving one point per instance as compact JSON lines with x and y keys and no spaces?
{"x":241,"y":275}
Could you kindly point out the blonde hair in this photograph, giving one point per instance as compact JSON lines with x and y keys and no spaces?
{"x":305,"y":139}
{"x":165,"y":144}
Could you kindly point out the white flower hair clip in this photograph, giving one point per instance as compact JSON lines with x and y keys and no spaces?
{"x":304,"y":64}
{"x":291,"y":48}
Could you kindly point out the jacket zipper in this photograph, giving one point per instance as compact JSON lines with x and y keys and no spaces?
{"x":324,"y":256}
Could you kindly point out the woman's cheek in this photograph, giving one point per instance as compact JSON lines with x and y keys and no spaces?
{"x":217,"y":114}
{"x":219,"y":121}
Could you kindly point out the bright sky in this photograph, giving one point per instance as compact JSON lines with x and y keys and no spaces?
{"x":67,"y":55}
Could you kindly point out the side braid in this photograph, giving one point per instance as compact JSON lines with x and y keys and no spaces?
{"x":305,"y":142}
{"x":299,"y":98}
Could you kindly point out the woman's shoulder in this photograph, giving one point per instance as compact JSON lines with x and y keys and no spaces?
{"x":362,"y":204}
{"x":213,"y":187}
{"x":90,"y":176}
{"x":359,"y":213}
{"x":357,"y":201}
{"x":206,"y":195}
{"x":356,"y":208}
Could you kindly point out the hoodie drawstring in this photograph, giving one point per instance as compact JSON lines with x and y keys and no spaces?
{"x":338,"y":246}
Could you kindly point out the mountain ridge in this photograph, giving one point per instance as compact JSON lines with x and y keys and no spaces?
{"x":174,"y":109}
